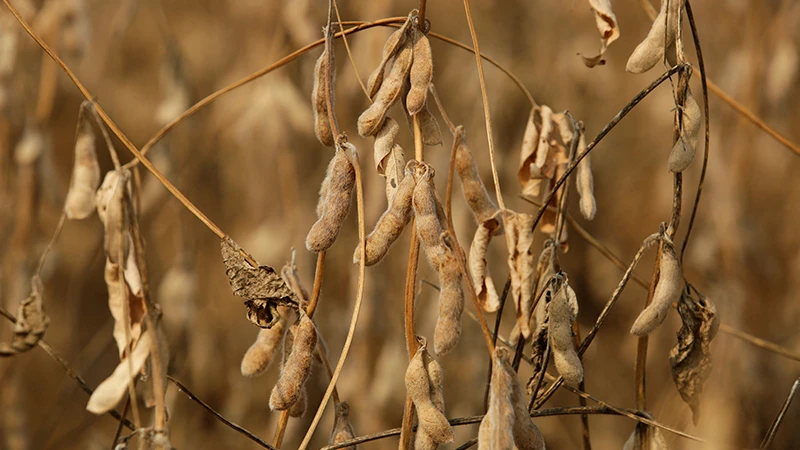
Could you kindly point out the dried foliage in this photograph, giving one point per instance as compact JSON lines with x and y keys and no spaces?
{"x":32,"y":322}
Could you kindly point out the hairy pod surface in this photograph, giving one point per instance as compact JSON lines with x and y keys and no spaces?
{"x":370,"y":120}
{"x":451,"y":305}
{"x":418,"y":386}
{"x":563,"y":310}
{"x":421,"y":73}
{"x":260,"y":355}
{"x":482,"y":207}
{"x":335,"y":196}
{"x":322,"y":124}
{"x":429,"y":216}
{"x":392,"y":222}
{"x":297,"y":368}
{"x":496,"y":431}
{"x":668,"y":290}
{"x":390,"y":49}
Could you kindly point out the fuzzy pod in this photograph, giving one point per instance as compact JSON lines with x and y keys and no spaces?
{"x":369,"y":121}
{"x":421,"y":73}
{"x":483,"y":208}
{"x":297,"y":367}
{"x":668,"y":290}
{"x":563,"y":310}
{"x":526,"y":434}
{"x":260,"y":355}
{"x":481,"y":279}
{"x":422,"y":440}
{"x":418,"y":387}
{"x":683,"y":152}
{"x":335,"y":196}
{"x":342,"y":429}
{"x":655,"y":438}
{"x":584,"y":182}
{"x":299,"y":407}
{"x":451,"y":305}
{"x":392,"y":222}
{"x":390,"y":49}
{"x":496,"y":431}
{"x":659,"y":40}
{"x":322,"y":124}
{"x":80,"y":202}
{"x":429,"y":218}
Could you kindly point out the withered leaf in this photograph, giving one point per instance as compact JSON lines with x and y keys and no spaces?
{"x":31,"y":322}
{"x":690,"y":359}
{"x":607,"y":26}
{"x":261,"y":286}
{"x":111,"y":390}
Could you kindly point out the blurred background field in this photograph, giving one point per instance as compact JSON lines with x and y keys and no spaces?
{"x":251,"y":163}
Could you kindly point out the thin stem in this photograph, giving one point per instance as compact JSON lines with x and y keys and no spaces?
{"x":587,"y":437}
{"x":218,"y":416}
{"x":52,"y":242}
{"x":410,"y":298}
{"x":350,"y":53}
{"x":356,"y":309}
{"x":423,"y":4}
{"x":121,"y":422}
{"x":486,"y":112}
{"x":779,"y":418}
{"x":706,"y":118}
{"x":280,"y":429}
{"x":649,"y":241}
{"x":614,"y":121}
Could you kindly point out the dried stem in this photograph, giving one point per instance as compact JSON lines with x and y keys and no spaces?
{"x":356,"y":309}
{"x":486,"y":112}
{"x":249,"y":435}
{"x":350,"y":54}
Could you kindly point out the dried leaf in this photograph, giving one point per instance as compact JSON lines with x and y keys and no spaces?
{"x":519,"y":237}
{"x":111,"y":390}
{"x":690,"y":359}
{"x":394,"y":171}
{"x":384,"y":143}
{"x":481,"y":278}
{"x":655,"y":438}
{"x":261,"y":286}
{"x":607,"y":26}
{"x":31,"y":323}
{"x":529,"y":174}
{"x":118,"y":295}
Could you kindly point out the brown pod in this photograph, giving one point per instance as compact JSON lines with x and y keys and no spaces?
{"x":483,"y":208}
{"x":297,"y":368}
{"x":429,"y":218}
{"x":451,"y":305}
{"x":563,"y":310}
{"x":421,"y":73}
{"x":299,"y":407}
{"x":392,"y":222}
{"x":526,"y":435}
{"x":418,"y":386}
{"x":422,"y":440}
{"x":336,"y":192}
{"x":322,"y":124}
{"x":342,"y":429}
{"x":80,"y":201}
{"x":370,"y":120}
{"x":497,"y":427}
{"x":668,"y":290}
{"x":585,"y":182}
{"x":683,"y":152}
{"x":260,"y":355}
{"x":390,"y":49}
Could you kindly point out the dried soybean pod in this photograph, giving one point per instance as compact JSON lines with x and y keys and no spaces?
{"x":497,"y":427}
{"x":474,"y":190}
{"x":668,"y":290}
{"x":683,"y":152}
{"x":297,"y":368}
{"x":563,"y":311}
{"x":260,"y":355}
{"x":392,"y":222}
{"x":342,"y":429}
{"x":370,"y":120}
{"x":451,"y":305}
{"x":80,"y":201}
{"x":298,"y":408}
{"x":390,"y":49}
{"x":338,"y":189}
{"x":651,"y":50}
{"x":322,"y":124}
{"x":481,"y":279}
{"x":428,"y":218}
{"x":421,"y":73}
{"x":584,"y":182}
{"x":418,"y":386}
{"x":422,"y":440}
{"x":526,"y":435}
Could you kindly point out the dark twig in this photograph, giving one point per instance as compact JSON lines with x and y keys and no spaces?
{"x":779,"y":418}
{"x":219,"y":416}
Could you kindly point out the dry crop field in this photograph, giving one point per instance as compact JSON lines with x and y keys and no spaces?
{"x":399,"y":224}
